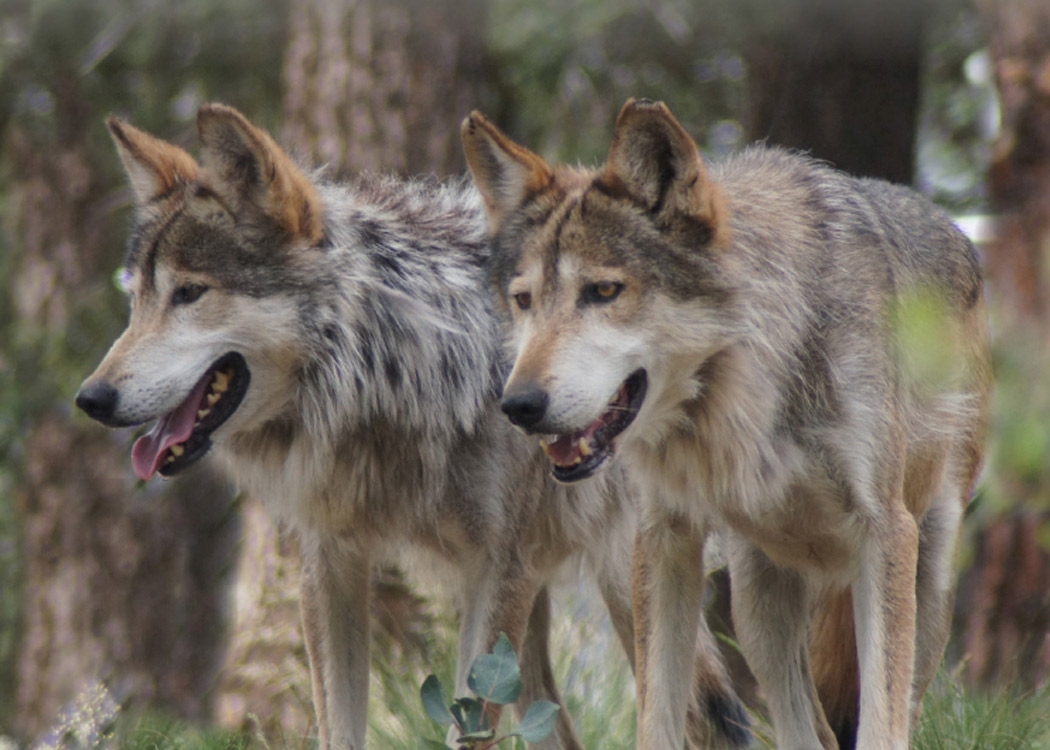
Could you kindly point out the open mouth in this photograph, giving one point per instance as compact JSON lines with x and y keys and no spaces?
{"x":182,"y":436}
{"x":577,"y":455}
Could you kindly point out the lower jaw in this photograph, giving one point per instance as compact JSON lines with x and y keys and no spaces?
{"x":185,"y":461}
{"x":579,"y":472}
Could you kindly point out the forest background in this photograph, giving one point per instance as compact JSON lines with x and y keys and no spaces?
{"x":179,"y":596}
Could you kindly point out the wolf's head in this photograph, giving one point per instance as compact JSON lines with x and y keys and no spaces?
{"x":211,"y":336}
{"x":614,"y":280}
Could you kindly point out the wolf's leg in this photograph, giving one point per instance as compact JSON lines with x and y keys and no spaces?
{"x":934,"y":590}
{"x":770,"y":613}
{"x":537,"y":676}
{"x":335,"y":590}
{"x":667,"y":588}
{"x":716,"y":718}
{"x":498,"y":597}
{"x":884,"y":613}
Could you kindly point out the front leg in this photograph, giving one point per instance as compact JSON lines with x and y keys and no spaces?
{"x":884,"y":612}
{"x":667,"y":589}
{"x":335,"y":591}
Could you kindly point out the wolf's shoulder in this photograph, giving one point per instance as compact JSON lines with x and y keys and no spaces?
{"x":862,"y":221}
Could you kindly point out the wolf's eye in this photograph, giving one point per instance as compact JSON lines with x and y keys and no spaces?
{"x":523,"y":300}
{"x":184,"y":295}
{"x":603,"y":291}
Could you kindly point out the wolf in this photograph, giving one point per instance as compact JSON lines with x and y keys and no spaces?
{"x":789,"y":356}
{"x":335,"y":345}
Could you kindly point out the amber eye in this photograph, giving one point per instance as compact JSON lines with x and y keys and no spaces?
{"x":603,"y":291}
{"x":523,"y":300}
{"x":184,"y":295}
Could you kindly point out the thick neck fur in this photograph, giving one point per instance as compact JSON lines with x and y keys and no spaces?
{"x":397,"y":333}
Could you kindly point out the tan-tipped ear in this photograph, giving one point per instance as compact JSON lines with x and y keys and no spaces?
{"x":251,"y":173}
{"x":654,"y":159}
{"x":506,"y":174}
{"x":154,"y":166}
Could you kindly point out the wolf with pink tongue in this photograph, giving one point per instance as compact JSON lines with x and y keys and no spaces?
{"x":336,"y":345}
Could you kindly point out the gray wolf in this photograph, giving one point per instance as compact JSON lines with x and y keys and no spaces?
{"x":793,"y":357}
{"x":336,"y":346}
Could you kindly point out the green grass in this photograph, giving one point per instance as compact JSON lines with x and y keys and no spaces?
{"x":952,"y":720}
{"x":159,"y":733}
{"x":599,"y":693}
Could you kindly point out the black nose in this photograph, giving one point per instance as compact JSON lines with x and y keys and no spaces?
{"x":525,"y":408}
{"x":98,"y":401}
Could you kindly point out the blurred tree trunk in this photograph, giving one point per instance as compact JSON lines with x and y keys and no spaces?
{"x":370,"y":85}
{"x":383,"y":86}
{"x":1019,"y":174}
{"x":841,"y":80}
{"x":1002,"y":614}
{"x":119,"y":586}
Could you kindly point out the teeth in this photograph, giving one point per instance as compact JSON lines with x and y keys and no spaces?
{"x":169,"y":460}
{"x":578,"y":461}
{"x":203,"y":413}
{"x":213,"y":398}
{"x":546,"y":447}
{"x":177,"y":450}
{"x":221,"y":382}
{"x":585,"y":447}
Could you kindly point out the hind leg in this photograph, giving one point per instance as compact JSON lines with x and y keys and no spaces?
{"x":504,"y":597}
{"x":537,"y":676}
{"x":771,"y":614}
{"x":934,"y":591}
{"x":716,"y":718}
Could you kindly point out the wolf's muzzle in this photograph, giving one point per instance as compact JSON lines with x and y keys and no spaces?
{"x":525,"y":408}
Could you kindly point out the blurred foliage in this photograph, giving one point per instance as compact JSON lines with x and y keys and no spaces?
{"x":960,"y":112}
{"x":574,"y":64}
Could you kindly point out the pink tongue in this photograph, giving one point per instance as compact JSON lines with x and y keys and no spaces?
{"x":170,"y":429}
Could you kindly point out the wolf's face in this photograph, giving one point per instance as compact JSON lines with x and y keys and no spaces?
{"x":212,"y":338}
{"x":614,"y":281}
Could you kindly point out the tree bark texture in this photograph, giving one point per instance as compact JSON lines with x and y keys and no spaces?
{"x":383,"y":86}
{"x":1002,"y":614}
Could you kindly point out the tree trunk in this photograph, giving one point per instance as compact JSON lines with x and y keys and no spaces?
{"x":841,"y":80}
{"x":369,"y":85}
{"x":1003,"y":609}
{"x":383,"y":86}
{"x":1002,"y":619}
{"x":1019,"y":173}
{"x":119,"y":587}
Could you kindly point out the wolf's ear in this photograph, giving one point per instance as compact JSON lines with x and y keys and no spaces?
{"x":654,"y":159}
{"x":154,"y":166}
{"x":506,"y":174}
{"x":252,"y":175}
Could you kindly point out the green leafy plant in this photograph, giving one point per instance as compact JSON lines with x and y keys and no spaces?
{"x":495,"y":679}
